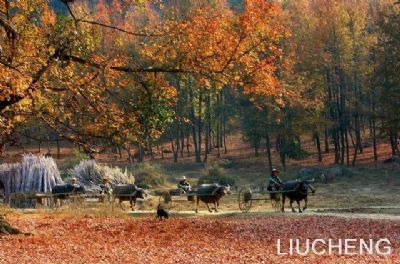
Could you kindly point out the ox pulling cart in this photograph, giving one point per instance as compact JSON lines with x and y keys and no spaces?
{"x":296,"y":190}
{"x":206,"y":193}
{"x":247,"y":196}
{"x":168,"y":197}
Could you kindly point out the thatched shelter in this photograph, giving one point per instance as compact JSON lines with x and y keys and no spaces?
{"x":32,"y":174}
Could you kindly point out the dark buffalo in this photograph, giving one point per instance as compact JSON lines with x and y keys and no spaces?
{"x":298,"y":191}
{"x":211,"y":193}
{"x":128,"y":192}
{"x":64,"y":191}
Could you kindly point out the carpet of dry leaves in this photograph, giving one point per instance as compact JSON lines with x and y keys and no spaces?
{"x":68,"y":239}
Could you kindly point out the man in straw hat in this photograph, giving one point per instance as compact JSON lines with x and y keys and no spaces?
{"x":274,"y":182}
{"x":105,"y":188}
{"x":105,"y":185}
{"x":74,"y":181}
{"x":184,"y":185}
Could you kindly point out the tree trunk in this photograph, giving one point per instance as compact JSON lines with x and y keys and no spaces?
{"x":182,"y":134}
{"x":318,"y":143}
{"x":7,"y":229}
{"x":219,"y":116}
{"x":353,"y":163}
{"x":187,"y":143}
{"x":193,"y":121}
{"x":282,"y":153}
{"x":374,"y":140}
{"x":326,"y":140}
{"x":393,"y":142}
{"x":268,"y":147}
{"x":140,"y":156}
{"x":120,"y":152}
{"x":347,"y":148}
{"x":224,"y":122}
{"x":336,"y":145}
{"x":58,"y":148}
{"x":199,"y":124}
{"x":256,"y":152}
{"x":207,"y":128}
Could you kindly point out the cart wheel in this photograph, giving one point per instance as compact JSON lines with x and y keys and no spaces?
{"x":18,"y":200}
{"x":276,"y":202}
{"x":166,"y":201}
{"x":245,"y":199}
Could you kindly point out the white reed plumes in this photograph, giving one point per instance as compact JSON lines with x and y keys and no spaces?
{"x":33,"y":174}
{"x":90,"y":174}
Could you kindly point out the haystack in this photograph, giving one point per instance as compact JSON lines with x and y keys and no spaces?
{"x":32,"y":174}
{"x":90,"y":174}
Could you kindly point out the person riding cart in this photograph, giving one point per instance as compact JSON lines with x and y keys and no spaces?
{"x":184,"y":185}
{"x":74,"y":182}
{"x":105,"y":187}
{"x":274,"y":182}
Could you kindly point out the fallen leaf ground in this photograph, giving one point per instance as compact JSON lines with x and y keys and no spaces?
{"x":68,"y":239}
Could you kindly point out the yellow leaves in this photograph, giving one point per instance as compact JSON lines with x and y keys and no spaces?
{"x":118,"y":42}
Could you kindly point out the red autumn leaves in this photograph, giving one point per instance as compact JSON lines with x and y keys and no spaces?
{"x":59,"y":239}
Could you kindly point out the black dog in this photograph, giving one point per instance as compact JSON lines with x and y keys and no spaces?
{"x":161,"y":213}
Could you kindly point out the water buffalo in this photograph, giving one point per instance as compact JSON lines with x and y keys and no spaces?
{"x":64,"y":191}
{"x":128,"y":192}
{"x":211,"y":193}
{"x":299,"y":192}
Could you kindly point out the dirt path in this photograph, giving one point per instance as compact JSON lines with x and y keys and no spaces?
{"x":370,"y":212}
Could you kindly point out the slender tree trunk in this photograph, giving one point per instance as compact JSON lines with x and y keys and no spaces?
{"x":326,"y":140}
{"x":374,"y":139}
{"x":219,"y":141}
{"x":196,"y":144}
{"x":223,"y":99}
{"x":188,"y":143}
{"x":174,"y":151}
{"x":207,"y":128}
{"x":318,"y":143}
{"x":256,"y":152}
{"x":282,"y":153}
{"x":393,"y":142}
{"x":347,"y":148}
{"x":199,"y":122}
{"x":58,"y":148}
{"x":336,"y":145}
{"x":140,"y":149}
{"x":182,"y":147}
{"x":353,"y":163}
{"x":268,"y":147}
{"x":120,"y":152}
